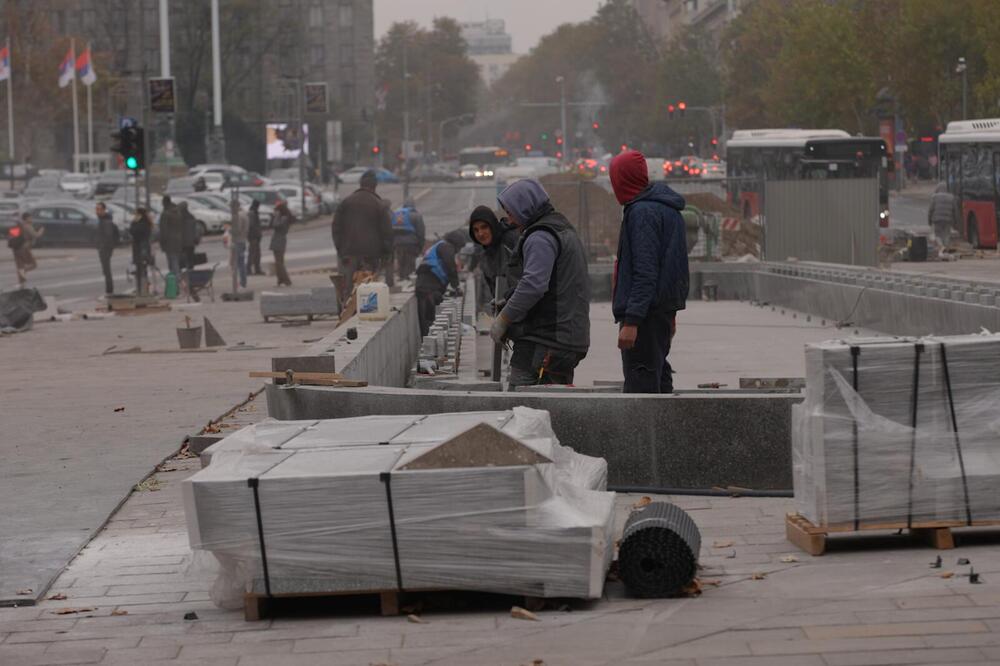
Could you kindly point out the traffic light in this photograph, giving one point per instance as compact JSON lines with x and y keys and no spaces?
{"x":559,"y":141}
{"x":715,"y":141}
{"x":376,"y":150}
{"x":670,"y":110}
{"x":682,"y":107}
{"x":545,"y":136}
{"x":130,"y":143}
{"x":596,"y":125}
{"x":527,"y":147}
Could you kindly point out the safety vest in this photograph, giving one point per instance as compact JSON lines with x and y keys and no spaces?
{"x":401,"y":221}
{"x":433,"y":261}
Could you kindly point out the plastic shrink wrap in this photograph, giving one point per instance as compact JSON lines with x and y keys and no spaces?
{"x":899,"y":431}
{"x":486,"y":501}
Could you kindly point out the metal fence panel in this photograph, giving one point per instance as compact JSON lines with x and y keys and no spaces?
{"x":833,"y":221}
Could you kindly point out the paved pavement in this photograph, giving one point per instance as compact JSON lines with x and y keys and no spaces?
{"x":764,"y":604}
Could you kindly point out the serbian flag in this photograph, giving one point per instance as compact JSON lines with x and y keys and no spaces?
{"x":66,"y":70}
{"x":85,"y":69}
{"x":4,"y":63}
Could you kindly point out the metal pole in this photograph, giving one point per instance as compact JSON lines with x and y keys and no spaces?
{"x":76,"y":111}
{"x":164,"y":39}
{"x":302,"y":149}
{"x":90,"y":129}
{"x":965,"y":94}
{"x":144,"y":108}
{"x":10,"y":107}
{"x":217,"y":67}
{"x":406,"y":120}
{"x":561,"y":80}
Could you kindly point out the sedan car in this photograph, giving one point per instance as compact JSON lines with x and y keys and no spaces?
{"x":42,"y":186}
{"x":65,"y":223}
{"x":353,"y":175}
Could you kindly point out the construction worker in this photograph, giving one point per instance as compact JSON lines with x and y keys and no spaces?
{"x":407,"y":237}
{"x":435,"y":274}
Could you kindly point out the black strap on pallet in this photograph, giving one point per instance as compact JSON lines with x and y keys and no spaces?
{"x":386,"y":478}
{"x":254,"y":483}
{"x":954,"y":429}
{"x":855,"y":353}
{"x":918,"y":349}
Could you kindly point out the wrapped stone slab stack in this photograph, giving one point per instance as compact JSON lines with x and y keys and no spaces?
{"x":859,"y":460}
{"x":483,"y":501}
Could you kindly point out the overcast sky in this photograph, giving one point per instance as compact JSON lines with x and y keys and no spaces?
{"x":527,"y":20}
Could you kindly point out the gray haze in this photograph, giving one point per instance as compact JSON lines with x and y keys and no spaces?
{"x":527,"y":20}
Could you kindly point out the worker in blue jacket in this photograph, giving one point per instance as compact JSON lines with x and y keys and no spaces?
{"x":437,"y":271}
{"x":408,"y":233}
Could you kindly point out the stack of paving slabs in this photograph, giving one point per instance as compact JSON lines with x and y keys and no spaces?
{"x":486,"y":501}
{"x":899,"y":431}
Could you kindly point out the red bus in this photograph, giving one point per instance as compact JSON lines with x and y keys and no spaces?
{"x":753,"y":156}
{"x":970,"y":165}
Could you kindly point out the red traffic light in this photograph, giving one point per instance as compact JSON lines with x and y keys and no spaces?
{"x":559,"y":141}
{"x":624,"y":147}
{"x":596,"y":125}
{"x":376,"y":150}
{"x":682,"y":105}
{"x":715,"y":141}
{"x":559,"y":154}
{"x":527,"y":147}
{"x":671,"y":108}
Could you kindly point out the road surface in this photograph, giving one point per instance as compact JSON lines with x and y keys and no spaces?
{"x":71,"y":274}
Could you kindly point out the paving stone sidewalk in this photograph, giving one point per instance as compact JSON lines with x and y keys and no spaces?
{"x":863,"y":603}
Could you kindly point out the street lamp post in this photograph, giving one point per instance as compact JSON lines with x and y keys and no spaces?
{"x":561,"y":80}
{"x":962,"y":68}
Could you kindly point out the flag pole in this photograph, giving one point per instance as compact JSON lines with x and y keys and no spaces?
{"x":90,"y":114}
{"x":76,"y":111}
{"x":10,"y":104}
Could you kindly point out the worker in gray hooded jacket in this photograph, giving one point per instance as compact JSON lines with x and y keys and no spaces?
{"x":548,"y":315}
{"x":943,"y":214}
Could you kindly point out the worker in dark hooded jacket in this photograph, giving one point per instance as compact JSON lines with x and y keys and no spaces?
{"x":436,"y":272}
{"x":498,"y":240}
{"x":548,"y":314}
{"x":651,"y":274}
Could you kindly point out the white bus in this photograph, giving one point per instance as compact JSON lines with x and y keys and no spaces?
{"x":970,"y":165}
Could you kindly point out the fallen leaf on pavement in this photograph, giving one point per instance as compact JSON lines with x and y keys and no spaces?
{"x":789,"y":558}
{"x":946,"y":574}
{"x":415,"y":619}
{"x":72,"y":611}
{"x":643,"y":501}
{"x":692,"y":589}
{"x":758,"y":575}
{"x":722,"y":544}
{"x":57,"y":597}
{"x":119,"y":409}
{"x":119,"y":611}
{"x":714,"y":582}
{"x":519,"y":613}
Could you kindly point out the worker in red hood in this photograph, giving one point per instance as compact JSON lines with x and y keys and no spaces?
{"x":651,"y":274}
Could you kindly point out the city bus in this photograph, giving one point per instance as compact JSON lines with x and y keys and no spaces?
{"x":970,"y":165}
{"x":854,"y":157}
{"x":753,"y":156}
{"x":485,"y":158}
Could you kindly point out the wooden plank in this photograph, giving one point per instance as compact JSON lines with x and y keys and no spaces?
{"x":796,"y":531}
{"x":311,"y":378}
{"x":389,"y":601}
{"x":940,"y":538}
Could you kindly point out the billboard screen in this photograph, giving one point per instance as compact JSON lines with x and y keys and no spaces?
{"x":285,"y":142}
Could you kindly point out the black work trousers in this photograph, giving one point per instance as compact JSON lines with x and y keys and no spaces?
{"x":645,"y":365}
{"x":534,"y":364}
{"x":105,"y":256}
{"x":427,"y":302}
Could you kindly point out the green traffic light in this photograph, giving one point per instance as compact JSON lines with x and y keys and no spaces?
{"x":132,"y":163}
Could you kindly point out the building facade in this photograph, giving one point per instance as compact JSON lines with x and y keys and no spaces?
{"x":666,"y":19}
{"x":490,"y":46}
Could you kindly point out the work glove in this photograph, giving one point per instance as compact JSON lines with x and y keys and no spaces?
{"x":498,"y":303}
{"x":498,"y":331}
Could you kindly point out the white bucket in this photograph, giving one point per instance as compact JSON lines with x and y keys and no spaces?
{"x":373,"y":300}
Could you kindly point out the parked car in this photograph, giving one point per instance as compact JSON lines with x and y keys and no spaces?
{"x":109,"y":182}
{"x":42,"y":186}
{"x":77,"y":184}
{"x":314,"y":201}
{"x":65,"y":223}
{"x":221,"y":169}
{"x":528,"y":167}
{"x":211,"y":220}
{"x":433,"y":173}
{"x":241,"y":180}
{"x":288,"y":173}
{"x":10,"y":211}
{"x":353,"y":175}
{"x":268,"y":197}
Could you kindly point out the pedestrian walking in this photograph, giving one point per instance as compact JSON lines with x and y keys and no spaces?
{"x":283,"y":219}
{"x":435,"y":274}
{"x":239,"y":230}
{"x":107,"y":239}
{"x":255,"y":233}
{"x":943,"y":215}
{"x":21,"y":238}
{"x":190,"y":236}
{"x":172,"y":235}
{"x":408,"y":238}
{"x":362,"y":233}
{"x":651,"y":274}
{"x":548,"y":314}
{"x":141,"y":231}
{"x":498,"y":240}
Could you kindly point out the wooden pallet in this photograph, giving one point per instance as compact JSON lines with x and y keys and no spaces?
{"x":310,"y":378}
{"x":812,"y":538}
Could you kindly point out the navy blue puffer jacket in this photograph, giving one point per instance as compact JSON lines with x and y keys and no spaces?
{"x":652,"y":269}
